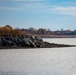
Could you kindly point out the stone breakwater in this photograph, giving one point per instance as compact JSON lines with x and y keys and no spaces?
{"x":26,"y":41}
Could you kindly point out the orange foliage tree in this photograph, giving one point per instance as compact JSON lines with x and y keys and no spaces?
{"x":8,"y":30}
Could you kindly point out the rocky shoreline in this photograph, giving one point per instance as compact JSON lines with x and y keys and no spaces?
{"x":27,"y":41}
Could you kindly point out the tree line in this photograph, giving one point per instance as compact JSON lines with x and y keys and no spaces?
{"x":8,"y":30}
{"x":43,"y":31}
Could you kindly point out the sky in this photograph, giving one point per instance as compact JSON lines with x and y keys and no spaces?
{"x":49,"y":14}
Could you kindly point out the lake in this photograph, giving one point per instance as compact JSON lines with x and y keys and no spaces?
{"x":70,"y":41}
{"x":42,"y":61}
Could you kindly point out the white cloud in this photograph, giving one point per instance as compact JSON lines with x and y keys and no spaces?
{"x":35,"y":6}
{"x":25,"y":7}
{"x":68,"y":10}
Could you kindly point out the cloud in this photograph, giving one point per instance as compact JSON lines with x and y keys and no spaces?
{"x":68,"y":10}
{"x":25,"y":6}
{"x":40,"y":6}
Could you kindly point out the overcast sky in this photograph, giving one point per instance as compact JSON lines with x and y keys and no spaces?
{"x":50,"y":14}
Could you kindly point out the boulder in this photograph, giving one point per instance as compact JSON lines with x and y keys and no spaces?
{"x":38,"y":38}
{"x":25,"y":42}
{"x":7,"y":42}
{"x":0,"y":42}
{"x":32,"y":38}
{"x":24,"y":36}
{"x":32,"y":44}
{"x":15,"y":40}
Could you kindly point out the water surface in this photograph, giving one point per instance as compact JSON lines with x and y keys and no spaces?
{"x":43,"y":61}
{"x":70,"y":41}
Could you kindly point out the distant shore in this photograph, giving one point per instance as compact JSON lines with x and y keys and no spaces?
{"x":57,"y":36}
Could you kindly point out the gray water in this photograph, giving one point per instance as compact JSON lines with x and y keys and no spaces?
{"x":70,"y":41}
{"x":43,"y":61}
